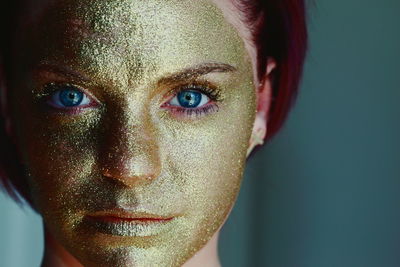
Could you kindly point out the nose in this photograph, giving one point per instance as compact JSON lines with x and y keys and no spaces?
{"x":130,"y":151}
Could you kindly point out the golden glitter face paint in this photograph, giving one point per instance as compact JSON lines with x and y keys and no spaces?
{"x":133,"y":120}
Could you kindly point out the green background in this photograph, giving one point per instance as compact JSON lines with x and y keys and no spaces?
{"x":325,"y":191}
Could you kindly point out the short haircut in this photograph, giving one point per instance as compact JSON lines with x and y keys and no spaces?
{"x":278,"y":30}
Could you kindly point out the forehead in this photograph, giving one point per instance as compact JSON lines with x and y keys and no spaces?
{"x":133,"y":36}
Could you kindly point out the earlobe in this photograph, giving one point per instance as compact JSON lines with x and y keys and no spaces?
{"x":264,"y":93}
{"x":258,"y":134}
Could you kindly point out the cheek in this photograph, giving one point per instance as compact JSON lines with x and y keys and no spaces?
{"x":209,"y":158}
{"x":59,"y":154}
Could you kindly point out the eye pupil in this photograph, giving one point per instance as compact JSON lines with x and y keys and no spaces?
{"x":71,"y":97}
{"x":189,"y":99}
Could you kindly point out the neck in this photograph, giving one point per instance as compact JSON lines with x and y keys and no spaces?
{"x":207,"y":256}
{"x":56,"y":255}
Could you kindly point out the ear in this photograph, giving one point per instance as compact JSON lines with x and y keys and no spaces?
{"x":264,"y":94}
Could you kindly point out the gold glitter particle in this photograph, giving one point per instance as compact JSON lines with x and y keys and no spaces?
{"x":128,"y":152}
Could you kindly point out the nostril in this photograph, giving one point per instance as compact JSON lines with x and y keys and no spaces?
{"x":131,"y":160}
{"x":128,"y":178}
{"x":107,"y":173}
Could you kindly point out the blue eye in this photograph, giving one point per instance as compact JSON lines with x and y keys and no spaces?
{"x":189,"y":99}
{"x":68,"y":97}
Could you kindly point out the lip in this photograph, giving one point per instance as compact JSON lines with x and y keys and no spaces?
{"x":127,"y":223}
{"x":122,"y":215}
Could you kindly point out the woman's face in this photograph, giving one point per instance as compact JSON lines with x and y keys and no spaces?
{"x":133,"y":119}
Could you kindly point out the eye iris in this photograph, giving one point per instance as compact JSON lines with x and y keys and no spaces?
{"x":189,"y":99}
{"x":71,"y":97}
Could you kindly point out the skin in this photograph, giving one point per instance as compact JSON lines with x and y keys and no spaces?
{"x":129,"y":150}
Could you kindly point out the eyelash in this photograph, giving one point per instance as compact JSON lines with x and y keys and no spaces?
{"x":209,"y":91}
{"x":52,"y":88}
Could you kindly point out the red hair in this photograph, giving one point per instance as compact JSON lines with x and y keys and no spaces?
{"x":277,"y":30}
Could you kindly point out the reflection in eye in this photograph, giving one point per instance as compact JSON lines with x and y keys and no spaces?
{"x":68,"y":96}
{"x":194,"y":100}
{"x":189,"y":99}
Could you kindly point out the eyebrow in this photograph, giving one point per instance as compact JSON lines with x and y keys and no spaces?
{"x":197,"y":71}
{"x":62,"y":71}
{"x":190,"y":73}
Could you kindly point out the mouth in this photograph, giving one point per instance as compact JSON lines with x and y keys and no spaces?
{"x":124,"y":223}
